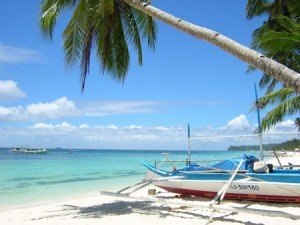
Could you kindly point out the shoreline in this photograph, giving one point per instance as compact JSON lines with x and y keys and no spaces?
{"x":37,"y":204}
{"x":60,"y":200}
{"x":103,"y":210}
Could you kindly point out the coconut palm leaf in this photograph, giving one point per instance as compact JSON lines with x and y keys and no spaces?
{"x":279,"y":41}
{"x":108,"y":25}
{"x":50,"y":10}
{"x":294,"y":8}
{"x":286,"y":102}
{"x":147,"y":25}
{"x":257,"y":8}
{"x":285,"y":108}
{"x":280,"y":34}
{"x":75,"y":33}
{"x":277,"y":38}
{"x":131,"y":30}
{"x":111,"y":42}
{"x":277,"y":96}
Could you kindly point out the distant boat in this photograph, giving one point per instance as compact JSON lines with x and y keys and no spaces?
{"x":28,"y":150}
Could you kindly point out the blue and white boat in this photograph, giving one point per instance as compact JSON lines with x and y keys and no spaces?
{"x":254,"y":180}
{"x":245,"y":178}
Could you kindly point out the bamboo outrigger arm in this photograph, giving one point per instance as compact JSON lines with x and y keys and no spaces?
{"x":220,"y":208}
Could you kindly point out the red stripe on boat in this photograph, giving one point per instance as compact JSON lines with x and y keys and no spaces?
{"x":208,"y":194}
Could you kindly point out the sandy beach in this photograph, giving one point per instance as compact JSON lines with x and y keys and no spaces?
{"x":104,"y":210}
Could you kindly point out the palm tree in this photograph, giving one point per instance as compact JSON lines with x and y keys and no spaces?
{"x":101,"y":23}
{"x":282,"y":44}
{"x":106,"y":25}
{"x":275,"y":34}
{"x":279,"y":38}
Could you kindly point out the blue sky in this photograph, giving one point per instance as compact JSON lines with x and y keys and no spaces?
{"x":184,"y":80}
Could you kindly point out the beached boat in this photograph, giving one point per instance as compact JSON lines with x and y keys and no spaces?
{"x":28,"y":150}
{"x":247,"y":178}
{"x":254,"y":180}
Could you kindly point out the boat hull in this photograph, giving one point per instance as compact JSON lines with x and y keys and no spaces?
{"x":242,"y":190}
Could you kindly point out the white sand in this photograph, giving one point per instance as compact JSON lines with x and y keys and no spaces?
{"x":287,"y":159}
{"x":107,"y":210}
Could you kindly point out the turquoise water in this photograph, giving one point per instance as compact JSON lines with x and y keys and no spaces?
{"x":34,"y":179}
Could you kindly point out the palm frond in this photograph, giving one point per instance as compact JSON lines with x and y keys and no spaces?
{"x":111,"y":43}
{"x":294,"y":9}
{"x":147,"y":27}
{"x":86,"y":50}
{"x":280,"y":34}
{"x":74,"y":34}
{"x":265,"y":81}
{"x":257,"y":8}
{"x":108,"y":25}
{"x":121,"y":57}
{"x":131,"y":30}
{"x":50,"y":10}
{"x":104,"y":27}
{"x":278,"y":96}
{"x":284,"y":109}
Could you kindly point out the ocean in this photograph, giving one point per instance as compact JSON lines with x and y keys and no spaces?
{"x":32,"y":179}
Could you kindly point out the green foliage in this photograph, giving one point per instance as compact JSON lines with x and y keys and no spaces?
{"x":106,"y":26}
{"x":286,"y":101}
{"x":279,"y":39}
{"x":257,"y":8}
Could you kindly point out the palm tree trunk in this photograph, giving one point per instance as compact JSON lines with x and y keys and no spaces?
{"x":280,"y":72}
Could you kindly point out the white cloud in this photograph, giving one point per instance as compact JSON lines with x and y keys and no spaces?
{"x":63,"y":107}
{"x":107,"y":108}
{"x":12,"y":54}
{"x":9,"y":90}
{"x":113,"y":127}
{"x":83,"y":126}
{"x":136,"y":136}
{"x":131,"y":127}
{"x":162,"y":128}
{"x":59,"y":108}
{"x":239,"y":122}
{"x":41,"y":126}
{"x":46,"y":129}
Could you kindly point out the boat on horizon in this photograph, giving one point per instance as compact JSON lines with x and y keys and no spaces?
{"x":28,"y":150}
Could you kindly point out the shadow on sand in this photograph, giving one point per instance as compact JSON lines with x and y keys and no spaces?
{"x":145,"y":208}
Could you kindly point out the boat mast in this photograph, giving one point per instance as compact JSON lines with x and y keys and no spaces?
{"x":189,"y":141}
{"x":261,"y":156}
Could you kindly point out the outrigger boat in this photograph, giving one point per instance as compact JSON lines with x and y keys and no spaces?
{"x":246,"y":178}
{"x":253,"y":180}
